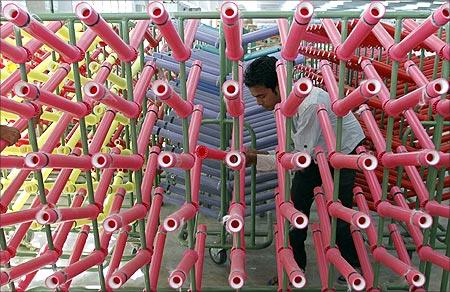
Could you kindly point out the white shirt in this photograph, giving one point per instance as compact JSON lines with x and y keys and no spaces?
{"x":306,"y":131}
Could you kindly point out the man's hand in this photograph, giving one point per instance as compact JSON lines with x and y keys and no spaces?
{"x":251,"y":156}
{"x":10,"y":134}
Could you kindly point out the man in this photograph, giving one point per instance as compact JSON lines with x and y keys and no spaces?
{"x":261,"y":79}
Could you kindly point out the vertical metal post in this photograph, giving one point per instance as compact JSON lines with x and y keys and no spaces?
{"x":389,"y":136}
{"x":134,"y":148}
{"x":187,"y":177}
{"x":83,"y":131}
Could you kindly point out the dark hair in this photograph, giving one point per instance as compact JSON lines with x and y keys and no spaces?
{"x":262,"y":71}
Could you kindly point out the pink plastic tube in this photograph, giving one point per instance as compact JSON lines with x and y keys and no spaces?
{"x":412,"y":276}
{"x":155,"y":264}
{"x":280,"y":123}
{"x":320,"y":256}
{"x":229,"y":14}
{"x":98,"y":92}
{"x":332,"y":32}
{"x":325,"y":174}
{"x":399,"y":244}
{"x":190,"y":31}
{"x":416,"y":181}
{"x":62,"y":276}
{"x":141,"y":87}
{"x":7,"y":276}
{"x":441,"y":107}
{"x":444,"y":160}
{"x":363,"y":207}
{"x":179,"y":275}
{"x":23,"y":19}
{"x":17,"y":55}
{"x":103,"y":187}
{"x":277,"y":256}
{"x":234,"y":222}
{"x":180,"y":160}
{"x":283,"y":27}
{"x":302,"y":88}
{"x":183,"y":214}
{"x":327,"y":129}
{"x":281,"y":75}
{"x":295,"y":274}
{"x":102,"y":131}
{"x":194,"y":127}
{"x":426,"y":253}
{"x":417,"y":218}
{"x":138,"y":32}
{"x":24,"y":109}
{"x":298,"y":160}
{"x":237,"y":271}
{"x":200,"y":249}
{"x":435,"y":209}
{"x":364,"y":260}
{"x":115,"y":161}
{"x":96,"y":23}
{"x":415,"y":73}
{"x":324,"y":219}
{"x":11,"y":161}
{"x":196,"y":175}
{"x":419,"y":96}
{"x":78,"y":250}
{"x":153,"y":217}
{"x":164,"y":92}
{"x":193,"y":78}
{"x":8,"y":84}
{"x":160,"y":17}
{"x":439,"y":18}
{"x":149,"y":175}
{"x":288,"y":211}
{"x":118,"y":251}
{"x":233,"y":101}
{"x":415,"y":124}
{"x":39,"y":160}
{"x":209,"y":153}
{"x":21,"y":216}
{"x":55,"y":80}
{"x":6,"y":30}
{"x":146,"y":129}
{"x":369,"y":18}
{"x":371,"y":73}
{"x":436,"y":44}
{"x":417,"y":158}
{"x":372,"y":127}
{"x":356,"y":218}
{"x":351,"y":161}
{"x":50,"y":215}
{"x":235,"y":160}
{"x":365,"y":91}
{"x":355,"y":280}
{"x":31,"y":92}
{"x":121,"y":276}
{"x":86,"y":39}
{"x":302,"y":17}
{"x":329,"y":80}
{"x":383,"y":36}
{"x":116,"y":221}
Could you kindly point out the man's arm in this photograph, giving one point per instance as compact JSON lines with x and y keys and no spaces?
{"x":265,"y":161}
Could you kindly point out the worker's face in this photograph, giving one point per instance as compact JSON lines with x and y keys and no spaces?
{"x":265,"y":97}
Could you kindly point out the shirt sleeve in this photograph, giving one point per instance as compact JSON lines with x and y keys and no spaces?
{"x":266,"y":162}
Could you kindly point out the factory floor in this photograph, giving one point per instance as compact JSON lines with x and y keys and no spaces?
{"x":260,"y":264}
